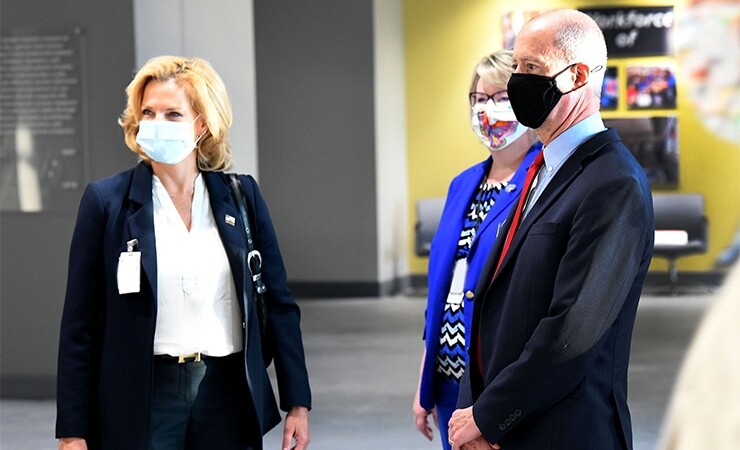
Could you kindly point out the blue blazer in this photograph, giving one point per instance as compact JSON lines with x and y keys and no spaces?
{"x":553,"y":328}
{"x":444,"y":248}
{"x":104,"y":377}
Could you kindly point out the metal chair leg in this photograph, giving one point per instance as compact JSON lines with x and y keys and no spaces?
{"x":673,"y":274}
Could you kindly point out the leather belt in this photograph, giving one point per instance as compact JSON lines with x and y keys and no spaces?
{"x":189,"y":357}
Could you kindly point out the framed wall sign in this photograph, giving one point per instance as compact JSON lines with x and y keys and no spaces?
{"x":635,"y":31}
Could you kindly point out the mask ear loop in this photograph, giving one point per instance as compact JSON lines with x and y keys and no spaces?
{"x":197,"y":139}
{"x":595,"y":69}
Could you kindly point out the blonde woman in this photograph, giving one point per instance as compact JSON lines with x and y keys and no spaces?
{"x":160,"y":345}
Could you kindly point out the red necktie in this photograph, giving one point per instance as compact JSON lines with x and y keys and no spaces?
{"x":539,"y":160}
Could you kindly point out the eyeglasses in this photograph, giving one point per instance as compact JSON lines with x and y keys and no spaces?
{"x":500,"y":98}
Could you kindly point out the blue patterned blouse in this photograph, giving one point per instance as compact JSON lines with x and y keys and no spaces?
{"x":451,"y":356}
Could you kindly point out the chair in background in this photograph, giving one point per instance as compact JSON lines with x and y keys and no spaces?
{"x":680,"y":229}
{"x":428,"y":214}
{"x":730,"y":254}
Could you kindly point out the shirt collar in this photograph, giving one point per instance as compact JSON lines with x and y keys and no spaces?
{"x":565,"y":144}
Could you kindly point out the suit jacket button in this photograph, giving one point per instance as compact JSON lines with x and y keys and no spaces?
{"x":517,"y":412}
{"x":501,"y":426}
{"x":512,"y":417}
{"x":469,"y":294}
{"x":507,"y":421}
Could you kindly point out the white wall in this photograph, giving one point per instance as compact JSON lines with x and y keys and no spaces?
{"x":219,"y":31}
{"x":390,"y":140}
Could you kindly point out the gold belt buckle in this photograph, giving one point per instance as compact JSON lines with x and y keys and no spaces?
{"x":183,"y":358}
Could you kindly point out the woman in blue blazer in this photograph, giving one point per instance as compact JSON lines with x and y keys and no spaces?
{"x":478,"y":201}
{"x":160,"y":343}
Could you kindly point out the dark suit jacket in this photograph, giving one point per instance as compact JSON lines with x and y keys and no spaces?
{"x":555,"y":324}
{"x":104,"y":378}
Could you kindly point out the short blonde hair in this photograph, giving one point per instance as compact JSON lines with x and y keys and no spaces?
{"x":495,"y":69}
{"x":208,"y":98}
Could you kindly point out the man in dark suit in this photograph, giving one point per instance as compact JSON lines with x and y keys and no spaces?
{"x":555,"y":305}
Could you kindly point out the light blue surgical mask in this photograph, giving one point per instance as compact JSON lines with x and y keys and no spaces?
{"x":166,"y":142}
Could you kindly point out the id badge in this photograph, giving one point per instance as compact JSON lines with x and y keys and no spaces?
{"x":455,"y":297}
{"x":129,"y":272}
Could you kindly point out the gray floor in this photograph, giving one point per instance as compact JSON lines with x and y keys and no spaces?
{"x":363,"y":357}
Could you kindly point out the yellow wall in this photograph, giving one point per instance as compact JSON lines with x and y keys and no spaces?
{"x":444,"y":41}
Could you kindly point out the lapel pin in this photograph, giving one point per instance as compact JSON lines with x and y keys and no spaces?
{"x":230,"y":220}
{"x":510,"y":187}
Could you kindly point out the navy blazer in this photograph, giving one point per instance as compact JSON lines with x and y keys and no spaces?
{"x":549,"y":367}
{"x":444,"y":249}
{"x":104,"y":377}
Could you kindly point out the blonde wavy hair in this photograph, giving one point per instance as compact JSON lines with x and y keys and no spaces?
{"x":208,"y":98}
{"x":495,"y":69}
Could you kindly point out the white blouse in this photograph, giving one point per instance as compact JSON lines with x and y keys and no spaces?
{"x":197,"y":309}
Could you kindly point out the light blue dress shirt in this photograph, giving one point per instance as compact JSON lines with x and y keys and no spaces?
{"x":559,"y":150}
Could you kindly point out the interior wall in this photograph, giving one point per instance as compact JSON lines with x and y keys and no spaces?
{"x":390,"y":144}
{"x":34,"y":246}
{"x":315,"y":96}
{"x":443,"y":42}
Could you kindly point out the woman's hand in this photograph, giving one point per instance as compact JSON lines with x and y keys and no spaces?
{"x":296,"y":427}
{"x":421,"y":414}
{"x":72,"y":444}
{"x":421,"y":418}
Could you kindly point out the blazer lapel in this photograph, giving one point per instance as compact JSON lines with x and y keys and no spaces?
{"x":141,"y":221}
{"x":509,"y":196}
{"x":229,"y":225}
{"x":487,"y":276}
{"x":501,"y":203}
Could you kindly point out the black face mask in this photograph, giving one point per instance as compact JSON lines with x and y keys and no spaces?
{"x":533,"y":97}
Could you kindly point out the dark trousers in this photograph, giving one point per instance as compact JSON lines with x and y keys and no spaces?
{"x":202,"y":405}
{"x":445,"y":398}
